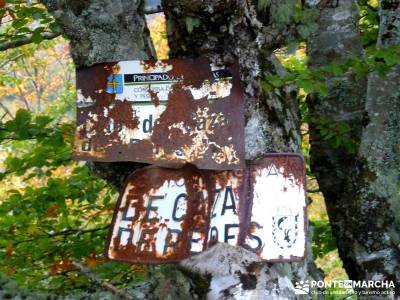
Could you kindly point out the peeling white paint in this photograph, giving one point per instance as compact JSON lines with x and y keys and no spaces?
{"x":138,"y":90}
{"x":279,"y":208}
{"x":201,"y":133}
{"x":220,"y":89}
{"x":147,"y":116}
{"x":83,"y":101}
{"x":93,"y":116}
{"x":168,"y":205}
{"x":225,"y":211}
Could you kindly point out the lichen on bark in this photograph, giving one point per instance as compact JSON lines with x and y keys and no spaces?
{"x":360,"y":188}
{"x":227,"y":32}
{"x":102,"y":30}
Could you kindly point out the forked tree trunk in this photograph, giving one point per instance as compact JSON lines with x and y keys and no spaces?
{"x":361,"y":188}
{"x":224,"y":32}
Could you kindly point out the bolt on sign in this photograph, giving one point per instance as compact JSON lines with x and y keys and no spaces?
{"x":166,"y":113}
{"x":165,"y":215}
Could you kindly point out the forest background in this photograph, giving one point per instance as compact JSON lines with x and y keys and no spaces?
{"x":54,"y":213}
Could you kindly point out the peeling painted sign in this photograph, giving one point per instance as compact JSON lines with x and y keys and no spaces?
{"x":161,"y":216}
{"x":166,"y":215}
{"x":166,"y":113}
{"x":278,"y":214}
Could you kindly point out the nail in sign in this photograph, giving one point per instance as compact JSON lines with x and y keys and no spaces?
{"x":166,"y":215}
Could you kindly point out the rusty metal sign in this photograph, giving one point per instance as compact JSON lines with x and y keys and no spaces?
{"x":166,"y":215}
{"x":166,"y":113}
{"x":161,"y":216}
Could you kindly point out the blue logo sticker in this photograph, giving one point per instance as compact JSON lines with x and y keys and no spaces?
{"x":115,"y":84}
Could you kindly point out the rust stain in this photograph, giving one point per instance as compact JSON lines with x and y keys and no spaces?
{"x":154,"y":97}
{"x":143,"y":184}
{"x":127,"y":118}
{"x":291,"y":167}
{"x":219,"y":207}
{"x":166,"y":113}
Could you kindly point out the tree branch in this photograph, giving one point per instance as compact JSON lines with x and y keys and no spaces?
{"x":27,"y":40}
{"x":60,"y":233}
{"x":10,"y":60}
{"x":77,"y":231}
{"x":104,"y":284}
{"x":6,"y":110}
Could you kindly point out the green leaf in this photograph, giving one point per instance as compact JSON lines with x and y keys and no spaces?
{"x":323,"y":241}
{"x":19,"y":22}
{"x":43,"y":121}
{"x":37,"y":35}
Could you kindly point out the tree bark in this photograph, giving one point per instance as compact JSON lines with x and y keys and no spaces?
{"x":379,"y":156}
{"x":102,"y":30}
{"x":360,"y":187}
{"x":224,"y":32}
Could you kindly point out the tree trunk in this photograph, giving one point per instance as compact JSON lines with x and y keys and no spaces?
{"x":361,"y":186}
{"x":102,"y":30}
{"x":224,"y":32}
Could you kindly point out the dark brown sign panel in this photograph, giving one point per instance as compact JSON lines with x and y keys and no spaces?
{"x":166,"y":215}
{"x":166,"y":113}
